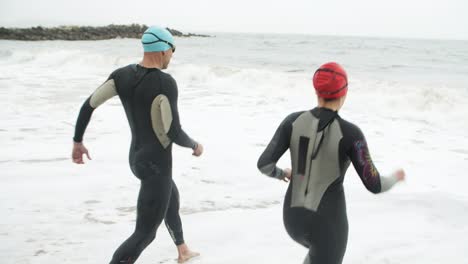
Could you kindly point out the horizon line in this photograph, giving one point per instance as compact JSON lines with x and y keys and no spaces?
{"x":370,"y":36}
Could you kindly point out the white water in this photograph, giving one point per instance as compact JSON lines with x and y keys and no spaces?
{"x":407,"y":96}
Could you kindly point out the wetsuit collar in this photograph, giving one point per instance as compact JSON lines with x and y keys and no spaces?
{"x":326,"y":109}
{"x":149,"y":69}
{"x":325,"y":115}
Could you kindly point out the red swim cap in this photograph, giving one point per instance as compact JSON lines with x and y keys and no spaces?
{"x":330,"y":81}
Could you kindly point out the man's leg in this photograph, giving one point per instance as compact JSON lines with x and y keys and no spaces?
{"x":174,"y":225}
{"x":172,"y":219}
{"x":153,"y":201}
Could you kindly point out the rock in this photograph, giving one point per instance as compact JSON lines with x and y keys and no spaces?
{"x":82,"y":32}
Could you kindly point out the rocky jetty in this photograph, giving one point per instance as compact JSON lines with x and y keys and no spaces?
{"x":81,"y":32}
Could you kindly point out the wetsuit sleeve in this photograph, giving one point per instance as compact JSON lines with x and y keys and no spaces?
{"x":276,"y":148}
{"x":362,"y":162}
{"x":103,"y":93}
{"x":176,"y":133}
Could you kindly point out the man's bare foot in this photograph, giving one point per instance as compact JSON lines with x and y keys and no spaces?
{"x":185,"y":254}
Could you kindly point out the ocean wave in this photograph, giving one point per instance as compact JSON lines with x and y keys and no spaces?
{"x":411,"y":101}
{"x":248,"y":83}
{"x":437,"y":103}
{"x":62,"y":58}
{"x":393,"y":66}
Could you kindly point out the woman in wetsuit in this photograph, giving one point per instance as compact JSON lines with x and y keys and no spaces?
{"x":322,"y":145}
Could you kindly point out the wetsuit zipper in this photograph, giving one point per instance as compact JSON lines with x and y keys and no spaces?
{"x":313,"y":156}
{"x":133,"y":98}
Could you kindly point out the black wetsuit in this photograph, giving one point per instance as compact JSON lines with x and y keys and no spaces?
{"x":322,"y":145}
{"x":149,"y":97}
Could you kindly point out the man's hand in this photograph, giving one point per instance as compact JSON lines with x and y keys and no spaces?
{"x":198,"y":150}
{"x":77,"y":153}
{"x":287,"y":175}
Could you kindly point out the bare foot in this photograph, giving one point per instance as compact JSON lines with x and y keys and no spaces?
{"x":186,"y":256}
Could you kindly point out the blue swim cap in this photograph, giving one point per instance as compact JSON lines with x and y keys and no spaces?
{"x":157,"y":39}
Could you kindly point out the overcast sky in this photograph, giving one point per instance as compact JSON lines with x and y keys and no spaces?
{"x":444,"y":19}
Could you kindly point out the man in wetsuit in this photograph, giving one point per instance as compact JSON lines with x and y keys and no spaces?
{"x":149,"y":97}
{"x":322,"y":145}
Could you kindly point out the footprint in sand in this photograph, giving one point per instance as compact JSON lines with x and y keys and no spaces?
{"x":40,"y":252}
{"x":165,"y":261}
{"x":43,"y":160}
{"x":208,"y":202}
{"x":91,"y":219}
{"x":73,"y":243}
{"x":189,"y":259}
{"x":419,"y":142}
{"x":92,"y":202}
{"x":129,"y":209}
{"x":28,"y":129}
{"x":208,"y":181}
{"x":461,"y":151}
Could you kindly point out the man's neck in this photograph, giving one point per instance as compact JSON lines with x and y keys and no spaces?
{"x":149,"y":62}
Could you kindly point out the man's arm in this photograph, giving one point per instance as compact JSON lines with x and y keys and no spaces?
{"x":103,"y":93}
{"x":175,"y":131}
